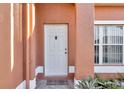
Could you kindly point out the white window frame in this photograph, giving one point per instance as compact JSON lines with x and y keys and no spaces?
{"x":100,"y":68}
{"x":113,"y":22}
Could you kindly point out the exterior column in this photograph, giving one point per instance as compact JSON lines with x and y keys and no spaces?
{"x":84,"y":41}
{"x":32,"y":47}
{"x":30,"y":65}
{"x":27,"y":45}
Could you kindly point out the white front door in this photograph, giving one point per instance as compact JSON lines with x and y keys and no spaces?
{"x":56,"y":49}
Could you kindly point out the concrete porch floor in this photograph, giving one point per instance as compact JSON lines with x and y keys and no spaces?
{"x":42,"y":84}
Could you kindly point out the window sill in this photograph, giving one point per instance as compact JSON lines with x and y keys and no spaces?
{"x":109,"y":65}
{"x":109,"y":68}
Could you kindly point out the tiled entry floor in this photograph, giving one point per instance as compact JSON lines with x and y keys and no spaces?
{"x":54,"y":84}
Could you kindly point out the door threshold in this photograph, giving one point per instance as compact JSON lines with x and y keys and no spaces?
{"x":57,"y":78}
{"x":69,"y":77}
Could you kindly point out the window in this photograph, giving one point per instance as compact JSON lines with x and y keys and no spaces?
{"x":108,"y":44}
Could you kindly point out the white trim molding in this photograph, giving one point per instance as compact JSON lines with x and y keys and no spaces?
{"x":22,"y":85}
{"x":71,"y":69}
{"x":108,"y":69}
{"x":39,"y":69}
{"x":32,"y":84}
{"x":109,"y":22}
{"x":76,"y":82}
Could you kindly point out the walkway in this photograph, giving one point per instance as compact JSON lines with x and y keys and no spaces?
{"x":54,"y":84}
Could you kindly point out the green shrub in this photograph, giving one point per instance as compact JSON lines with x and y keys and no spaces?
{"x":88,"y":83}
{"x":98,"y":83}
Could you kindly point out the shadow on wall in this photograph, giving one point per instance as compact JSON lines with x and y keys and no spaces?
{"x":11,"y":62}
{"x":12,"y":43}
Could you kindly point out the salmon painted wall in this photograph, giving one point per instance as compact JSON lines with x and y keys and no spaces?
{"x":109,"y":13}
{"x":11,"y":73}
{"x":24,"y":38}
{"x":5,"y":64}
{"x":110,"y":75}
{"x":54,"y":13}
{"x":18,"y":48}
{"x":32,"y":43}
{"x":84,"y":41}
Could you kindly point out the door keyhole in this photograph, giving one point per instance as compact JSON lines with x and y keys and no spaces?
{"x":55,"y":37}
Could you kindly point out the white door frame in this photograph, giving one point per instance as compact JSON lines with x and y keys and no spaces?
{"x":67,"y":43}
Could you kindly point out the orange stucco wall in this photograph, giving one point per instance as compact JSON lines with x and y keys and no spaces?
{"x":109,"y":13}
{"x":84,"y":41}
{"x":24,"y":27}
{"x":31,"y":53}
{"x":5,"y":46}
{"x":32,"y":41}
{"x":110,"y":75}
{"x":11,"y":73}
{"x":80,"y":19}
{"x":55,"y":13}
{"x":18,"y":48}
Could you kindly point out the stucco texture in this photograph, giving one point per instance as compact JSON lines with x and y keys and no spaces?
{"x":109,"y":13}
{"x":55,"y":13}
{"x":11,"y":73}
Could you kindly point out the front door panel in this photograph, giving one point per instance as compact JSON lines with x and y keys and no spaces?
{"x":56,"y":50}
